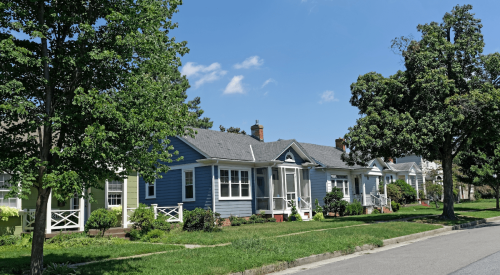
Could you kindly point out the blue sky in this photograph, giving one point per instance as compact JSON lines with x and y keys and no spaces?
{"x":290,"y":63}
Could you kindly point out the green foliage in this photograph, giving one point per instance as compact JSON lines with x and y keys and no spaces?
{"x":202,"y":220}
{"x":294,"y":217}
{"x":395,"y":206}
{"x":9,"y":240}
{"x":153,"y":235}
{"x":334,"y":202}
{"x":376,"y":211}
{"x":319,"y":217}
{"x":59,"y":238}
{"x":60,"y":269}
{"x":97,"y":88}
{"x":134,"y":234}
{"x":409,"y":194}
{"x":6,"y":212}
{"x":354,"y":208}
{"x":271,"y":220}
{"x":143,"y":218}
{"x":101,"y":219}
{"x":233,"y":130}
{"x":161,"y":223}
{"x":235,"y":221}
{"x":456,"y":88}
{"x":421,"y":194}
{"x":434,"y":191}
{"x":394,"y":192}
{"x":197,"y":112}
{"x":317,"y":207}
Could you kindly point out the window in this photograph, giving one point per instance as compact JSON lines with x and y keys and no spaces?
{"x":234,"y":183}
{"x":341,"y":182}
{"x":115,"y":189}
{"x":289,"y":157}
{"x":188,"y":183}
{"x":75,"y":202}
{"x":4,"y":190}
{"x":151,"y":190}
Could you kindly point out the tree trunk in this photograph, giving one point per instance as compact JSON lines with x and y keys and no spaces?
{"x":39,"y":232}
{"x":448,"y":209}
{"x":497,"y":191}
{"x":468,"y":194}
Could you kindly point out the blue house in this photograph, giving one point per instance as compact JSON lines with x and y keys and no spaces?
{"x":241,"y":175}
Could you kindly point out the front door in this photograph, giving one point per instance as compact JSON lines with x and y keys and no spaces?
{"x":290,"y":189}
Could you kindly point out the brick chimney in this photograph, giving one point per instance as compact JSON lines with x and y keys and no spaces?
{"x":257,"y":131}
{"x":390,"y":160}
{"x":339,"y":144}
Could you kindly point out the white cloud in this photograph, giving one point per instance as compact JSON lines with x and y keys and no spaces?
{"x":234,"y":86}
{"x":205,"y":74}
{"x":270,"y":80}
{"x":252,"y":61}
{"x":327,"y":96}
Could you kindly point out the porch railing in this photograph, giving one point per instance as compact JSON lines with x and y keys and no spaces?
{"x":59,"y":219}
{"x":173,"y":213}
{"x":28,"y":219}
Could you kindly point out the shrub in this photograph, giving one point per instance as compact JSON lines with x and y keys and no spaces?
{"x":421,"y":194}
{"x":202,"y":220}
{"x":317,"y":207}
{"x":296,"y":216}
{"x":409,"y":193}
{"x":59,"y":238}
{"x":334,"y":202}
{"x":161,"y":223}
{"x":395,"y":206}
{"x":376,"y":211}
{"x":394,"y":192}
{"x":319,"y":217}
{"x":59,"y":269}
{"x":117,"y":210}
{"x":152,"y":235}
{"x":100,"y":219}
{"x":134,"y":234}
{"x":354,"y":208}
{"x":235,"y":221}
{"x":6,"y":212}
{"x":255,"y":217}
{"x":143,"y":218}
{"x":271,"y":220}
{"x":9,"y":240}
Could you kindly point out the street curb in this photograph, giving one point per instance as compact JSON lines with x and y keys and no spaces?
{"x":325,"y":256}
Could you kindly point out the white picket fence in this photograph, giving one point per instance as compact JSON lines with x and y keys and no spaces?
{"x":173,"y":213}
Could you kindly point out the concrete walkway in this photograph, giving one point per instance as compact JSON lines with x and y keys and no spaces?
{"x":473,"y":250}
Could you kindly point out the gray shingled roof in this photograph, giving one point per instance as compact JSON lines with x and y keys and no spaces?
{"x":402,"y":166}
{"x":265,"y":151}
{"x":326,"y":156}
{"x":223,"y":145}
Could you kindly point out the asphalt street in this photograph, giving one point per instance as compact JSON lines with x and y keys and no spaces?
{"x":467,"y":251}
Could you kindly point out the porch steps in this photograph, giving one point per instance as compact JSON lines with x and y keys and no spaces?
{"x":425,"y":204}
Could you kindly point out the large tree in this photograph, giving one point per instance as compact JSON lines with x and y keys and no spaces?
{"x":94,"y":87}
{"x":481,"y":163}
{"x":444,"y":97}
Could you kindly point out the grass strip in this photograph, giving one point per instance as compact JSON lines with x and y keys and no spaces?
{"x":436,"y":220}
{"x":15,"y":258}
{"x":255,"y":251}
{"x":484,"y":214}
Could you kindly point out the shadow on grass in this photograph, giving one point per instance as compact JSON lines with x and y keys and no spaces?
{"x":14,"y":264}
{"x":128,"y":266}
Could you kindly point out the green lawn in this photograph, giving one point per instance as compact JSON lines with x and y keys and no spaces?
{"x":435,"y":220}
{"x":16,"y":257}
{"x":254,"y":251}
{"x":481,"y":214}
{"x":262,"y":230}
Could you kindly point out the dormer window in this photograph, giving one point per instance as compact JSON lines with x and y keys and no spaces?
{"x":289,"y":157}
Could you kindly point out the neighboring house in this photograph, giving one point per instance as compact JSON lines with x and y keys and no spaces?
{"x":241,"y":175}
{"x":430,"y":171}
{"x":67,"y":215}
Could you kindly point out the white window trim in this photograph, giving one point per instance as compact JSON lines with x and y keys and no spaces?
{"x":18,"y":200}
{"x":240,"y":198}
{"x":107,"y":193}
{"x":146,"y":188}
{"x":184,"y":199}
{"x":289,"y":154}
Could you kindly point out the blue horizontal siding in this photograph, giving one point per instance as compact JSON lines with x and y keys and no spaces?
{"x":240,"y":208}
{"x":318,"y":186}
{"x":169,"y":189}
{"x":190,"y":155}
{"x":298,"y":159}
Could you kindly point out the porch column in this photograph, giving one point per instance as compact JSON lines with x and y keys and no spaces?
{"x":271,"y":195}
{"x":124,"y":203}
{"x":364,"y":189}
{"x":416,"y":185}
{"x":81,"y":214}
{"x":407,"y":179}
{"x":48,"y":224}
{"x":385,"y":187}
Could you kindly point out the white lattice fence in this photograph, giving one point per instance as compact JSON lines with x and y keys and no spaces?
{"x":28,"y":219}
{"x":64,"y":219}
{"x":173,"y":213}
